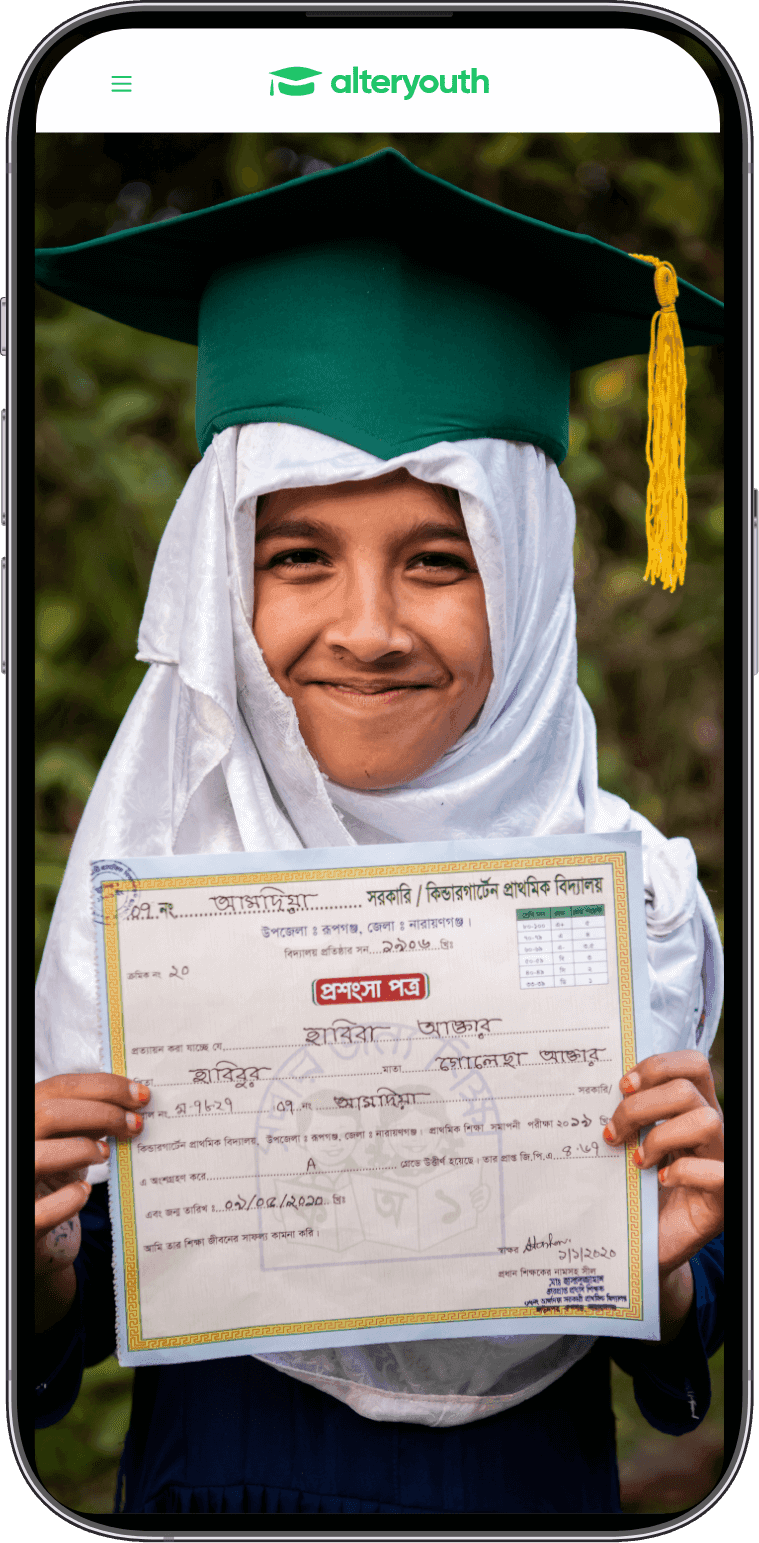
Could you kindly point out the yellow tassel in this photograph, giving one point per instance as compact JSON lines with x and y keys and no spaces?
{"x":666,"y":498}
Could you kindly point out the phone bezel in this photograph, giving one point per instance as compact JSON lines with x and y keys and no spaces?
{"x":736,"y":127}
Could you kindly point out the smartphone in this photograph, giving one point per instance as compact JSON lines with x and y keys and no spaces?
{"x":126,"y":120}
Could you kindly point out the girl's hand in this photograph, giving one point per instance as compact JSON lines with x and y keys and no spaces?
{"x":675,"y":1094}
{"x":72,"y":1116}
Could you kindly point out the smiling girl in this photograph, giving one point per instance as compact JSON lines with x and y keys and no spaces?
{"x":370,"y":614}
{"x":358,"y":639}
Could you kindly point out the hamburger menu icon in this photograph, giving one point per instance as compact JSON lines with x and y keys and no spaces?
{"x":294,"y":81}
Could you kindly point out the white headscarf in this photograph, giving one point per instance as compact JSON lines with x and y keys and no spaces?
{"x":210,"y":758}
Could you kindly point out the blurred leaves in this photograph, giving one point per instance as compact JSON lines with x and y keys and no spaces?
{"x":77,"y":1459}
{"x":115,"y":444}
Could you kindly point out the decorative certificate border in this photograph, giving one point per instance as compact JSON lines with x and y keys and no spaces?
{"x":111,"y":889}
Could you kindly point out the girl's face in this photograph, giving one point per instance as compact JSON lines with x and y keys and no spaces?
{"x":370,"y":614}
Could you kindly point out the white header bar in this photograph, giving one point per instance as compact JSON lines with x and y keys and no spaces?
{"x":495,"y":79}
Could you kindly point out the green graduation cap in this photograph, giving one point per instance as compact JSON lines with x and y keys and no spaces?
{"x":296,"y":80}
{"x":387,"y":308}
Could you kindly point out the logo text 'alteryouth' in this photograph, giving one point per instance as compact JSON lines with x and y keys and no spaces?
{"x":468,"y":82}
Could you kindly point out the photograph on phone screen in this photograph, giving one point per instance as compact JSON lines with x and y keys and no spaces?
{"x":514,"y":321}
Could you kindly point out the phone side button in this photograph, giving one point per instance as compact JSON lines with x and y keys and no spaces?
{"x":3,"y":326}
{"x":755,"y":584}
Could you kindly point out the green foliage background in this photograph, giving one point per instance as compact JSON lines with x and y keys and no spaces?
{"x":116,"y":442}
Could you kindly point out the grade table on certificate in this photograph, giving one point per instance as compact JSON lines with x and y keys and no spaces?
{"x":562,"y":946}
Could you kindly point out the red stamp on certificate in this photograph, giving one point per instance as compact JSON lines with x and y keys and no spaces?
{"x":371,"y":988}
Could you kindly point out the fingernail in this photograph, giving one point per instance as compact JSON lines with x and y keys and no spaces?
{"x":134,"y":1122}
{"x":139,"y":1092}
{"x":630,"y":1083}
{"x":609,"y":1132}
{"x":104,"y":1148}
{"x":639,"y":1157}
{"x":663,"y":1175}
{"x":86,"y":1188}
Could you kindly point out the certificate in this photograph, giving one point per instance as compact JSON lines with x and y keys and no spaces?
{"x":379,"y":1088}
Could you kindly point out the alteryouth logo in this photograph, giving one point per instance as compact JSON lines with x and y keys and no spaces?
{"x":295,"y":80}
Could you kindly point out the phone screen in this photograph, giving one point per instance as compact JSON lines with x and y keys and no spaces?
{"x":627,"y":131}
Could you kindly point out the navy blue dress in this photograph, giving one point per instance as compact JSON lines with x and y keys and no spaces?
{"x":238,"y":1436}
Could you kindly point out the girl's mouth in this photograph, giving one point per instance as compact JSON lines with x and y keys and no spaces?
{"x":370,"y":696}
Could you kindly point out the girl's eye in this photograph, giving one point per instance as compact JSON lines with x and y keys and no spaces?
{"x":300,"y":557}
{"x":430,"y":561}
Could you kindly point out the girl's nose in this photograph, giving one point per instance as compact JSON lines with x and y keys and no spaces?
{"x":368,"y":622}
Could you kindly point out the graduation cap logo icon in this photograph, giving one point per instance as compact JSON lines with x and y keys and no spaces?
{"x":294,"y":80}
